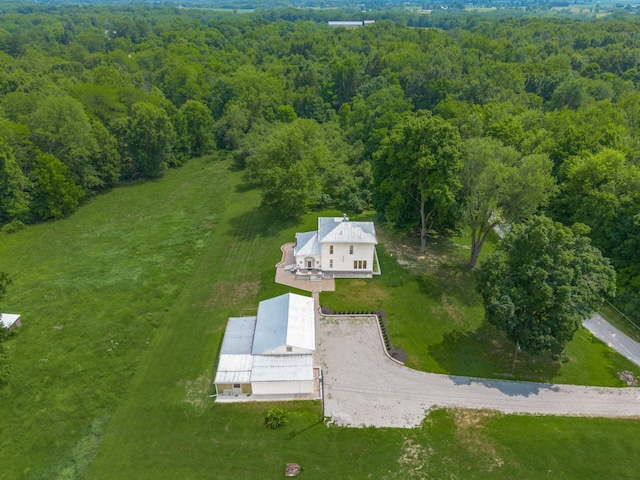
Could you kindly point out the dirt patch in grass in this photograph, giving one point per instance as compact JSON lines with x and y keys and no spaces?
{"x":470,"y":433}
{"x":413,"y":460}
{"x":225,"y":292}
{"x":454,"y":312}
{"x":196,"y":391}
{"x":406,"y":250}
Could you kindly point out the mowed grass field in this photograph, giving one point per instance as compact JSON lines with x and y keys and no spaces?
{"x":124,"y":305}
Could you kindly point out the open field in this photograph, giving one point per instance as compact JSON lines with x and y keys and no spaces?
{"x":124,"y":305}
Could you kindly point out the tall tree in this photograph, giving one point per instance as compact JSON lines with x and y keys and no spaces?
{"x":199,"y":125}
{"x":298,"y":165}
{"x":54,"y":193}
{"x":151,"y":140}
{"x":14,"y":203}
{"x":417,"y":174}
{"x":541,"y":282}
{"x":500,"y":186}
{"x":61,"y":127}
{"x":5,"y":281}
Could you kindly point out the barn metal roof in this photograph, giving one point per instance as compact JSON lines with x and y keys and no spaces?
{"x":307,"y":244}
{"x":341,"y":230}
{"x":285,"y":320}
{"x":279,"y":368}
{"x":234,"y":369}
{"x":238,"y":337}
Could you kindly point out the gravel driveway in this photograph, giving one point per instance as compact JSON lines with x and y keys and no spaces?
{"x":364,"y":387}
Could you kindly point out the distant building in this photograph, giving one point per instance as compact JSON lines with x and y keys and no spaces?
{"x":351,"y":24}
{"x":271,"y":353}
{"x":10,"y":320}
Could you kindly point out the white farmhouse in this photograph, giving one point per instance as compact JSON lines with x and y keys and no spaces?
{"x":271,"y":353}
{"x":339,"y":248}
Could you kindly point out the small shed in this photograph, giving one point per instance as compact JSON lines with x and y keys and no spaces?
{"x":10,"y":320}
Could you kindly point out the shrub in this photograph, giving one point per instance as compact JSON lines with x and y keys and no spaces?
{"x":12,"y":227}
{"x":276,"y":418}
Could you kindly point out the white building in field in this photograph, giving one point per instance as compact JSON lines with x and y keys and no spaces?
{"x":339,"y":248}
{"x":10,"y":320}
{"x":271,"y":353}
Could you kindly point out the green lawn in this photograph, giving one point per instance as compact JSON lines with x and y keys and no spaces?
{"x":434,"y":314}
{"x":124,"y":306}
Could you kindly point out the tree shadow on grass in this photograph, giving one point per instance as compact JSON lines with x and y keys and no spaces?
{"x":295,"y":433}
{"x":508,"y":387}
{"x":454,"y":281}
{"x":487,"y":353}
{"x":260,"y":222}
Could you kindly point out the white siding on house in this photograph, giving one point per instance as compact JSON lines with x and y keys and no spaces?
{"x":337,"y":244}
{"x":343,"y":258}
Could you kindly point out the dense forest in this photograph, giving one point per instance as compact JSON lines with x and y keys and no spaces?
{"x":440,"y":123}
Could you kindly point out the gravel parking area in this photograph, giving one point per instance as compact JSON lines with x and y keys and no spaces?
{"x":364,"y":387}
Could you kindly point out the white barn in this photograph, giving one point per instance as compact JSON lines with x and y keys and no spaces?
{"x":339,"y":248}
{"x":271,"y":353}
{"x":10,"y":320}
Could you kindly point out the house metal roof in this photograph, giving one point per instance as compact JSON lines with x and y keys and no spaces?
{"x":8,"y":319}
{"x":285,"y":320}
{"x":282,"y":368}
{"x":341,"y":230}
{"x":307,"y":244}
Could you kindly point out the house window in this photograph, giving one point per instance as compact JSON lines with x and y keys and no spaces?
{"x":289,"y":349}
{"x":330,"y":249}
{"x":331,"y":263}
{"x":350,"y":249}
{"x":236,"y":385}
{"x":360,"y":264}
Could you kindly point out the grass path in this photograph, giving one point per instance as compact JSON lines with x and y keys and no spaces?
{"x":169,"y":391}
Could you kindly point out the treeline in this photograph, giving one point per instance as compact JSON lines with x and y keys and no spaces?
{"x":535,"y":114}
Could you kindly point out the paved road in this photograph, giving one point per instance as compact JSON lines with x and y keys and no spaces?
{"x":365,"y":387}
{"x":613,"y":337}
